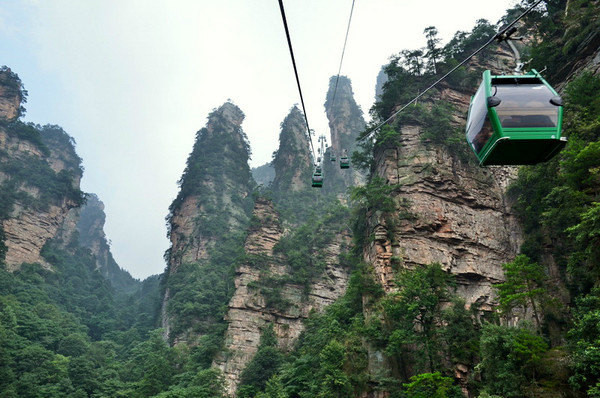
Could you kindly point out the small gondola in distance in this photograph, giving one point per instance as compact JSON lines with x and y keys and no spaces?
{"x":317,"y":180}
{"x":344,"y":162}
{"x":515,"y":120}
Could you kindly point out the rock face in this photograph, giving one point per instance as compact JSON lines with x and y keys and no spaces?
{"x":10,"y":95}
{"x":27,"y":231}
{"x":293,"y":160}
{"x":213,"y":201}
{"x":39,"y":180}
{"x":249,"y":311}
{"x":345,"y":123}
{"x":448,"y":211}
{"x":205,"y":185}
{"x":90,"y":227}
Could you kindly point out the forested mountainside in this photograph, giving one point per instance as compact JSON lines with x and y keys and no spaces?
{"x":415,"y":273}
{"x":69,"y":315}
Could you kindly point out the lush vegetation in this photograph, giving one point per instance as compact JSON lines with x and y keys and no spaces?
{"x":558,"y":204}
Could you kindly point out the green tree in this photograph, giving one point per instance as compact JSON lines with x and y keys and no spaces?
{"x":263,"y":366}
{"x":334,"y":381}
{"x":433,"y":52}
{"x":584,"y":339}
{"x":510,"y":359}
{"x":413,"y":316}
{"x":524,"y":287}
{"x":432,"y":385}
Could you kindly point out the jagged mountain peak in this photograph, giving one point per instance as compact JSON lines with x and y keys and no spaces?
{"x":230,"y":112}
{"x":11,"y":94}
{"x":293,"y":160}
{"x":345,"y":123}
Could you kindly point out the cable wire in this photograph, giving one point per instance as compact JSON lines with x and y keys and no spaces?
{"x":287,"y":34}
{"x":342,"y":58}
{"x":496,"y":36}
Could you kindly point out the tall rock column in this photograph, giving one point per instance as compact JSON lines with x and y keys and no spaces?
{"x":346,"y":122}
{"x":293,"y":160}
{"x":208,"y":217}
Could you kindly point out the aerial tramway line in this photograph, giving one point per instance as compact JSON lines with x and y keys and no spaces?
{"x":317,"y":176}
{"x":512,"y":120}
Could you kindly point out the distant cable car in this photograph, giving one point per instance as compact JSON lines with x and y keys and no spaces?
{"x":515,"y":120}
{"x":317,"y":180}
{"x":344,"y":162}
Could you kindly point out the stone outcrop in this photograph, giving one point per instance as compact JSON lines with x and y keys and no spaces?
{"x":205,"y":185}
{"x":449,"y":211}
{"x":293,"y":160}
{"x":89,"y":224}
{"x":10,"y":95}
{"x":249,"y":311}
{"x":34,"y":216}
{"x":27,"y":231}
{"x":213,"y":200}
{"x":346,"y":122}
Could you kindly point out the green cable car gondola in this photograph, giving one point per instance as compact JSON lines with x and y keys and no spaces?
{"x":317,"y":180}
{"x":344,"y":162}
{"x":515,"y":120}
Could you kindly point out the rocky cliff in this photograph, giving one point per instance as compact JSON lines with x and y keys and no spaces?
{"x":449,"y":210}
{"x":39,"y":177}
{"x":292,"y":161}
{"x":210,"y":214}
{"x":263,"y":276}
{"x":345,"y":123}
{"x":89,"y":225}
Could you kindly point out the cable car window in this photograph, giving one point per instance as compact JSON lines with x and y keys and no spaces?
{"x":525,"y":105}
{"x":479,"y":129}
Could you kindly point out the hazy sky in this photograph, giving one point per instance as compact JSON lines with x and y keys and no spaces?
{"x":132,"y":82}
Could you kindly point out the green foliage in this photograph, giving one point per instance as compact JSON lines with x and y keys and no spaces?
{"x":432,"y":385}
{"x":556,"y":200}
{"x":262,"y":367}
{"x":330,"y":356}
{"x":411,"y":72}
{"x":563,"y":36}
{"x":524,"y":287}
{"x":28,"y":172}
{"x":13,"y":86}
{"x":305,"y":257}
{"x":28,"y":132}
{"x":510,"y":359}
{"x":293,"y":158}
{"x":411,"y":317}
{"x":584,"y":340}
{"x":199,"y":292}
{"x":218,"y":162}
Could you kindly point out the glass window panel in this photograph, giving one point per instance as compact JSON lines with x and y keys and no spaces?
{"x":525,"y":105}
{"x":479,"y":129}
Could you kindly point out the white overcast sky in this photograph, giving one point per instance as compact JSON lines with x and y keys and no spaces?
{"x":132,"y":82}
